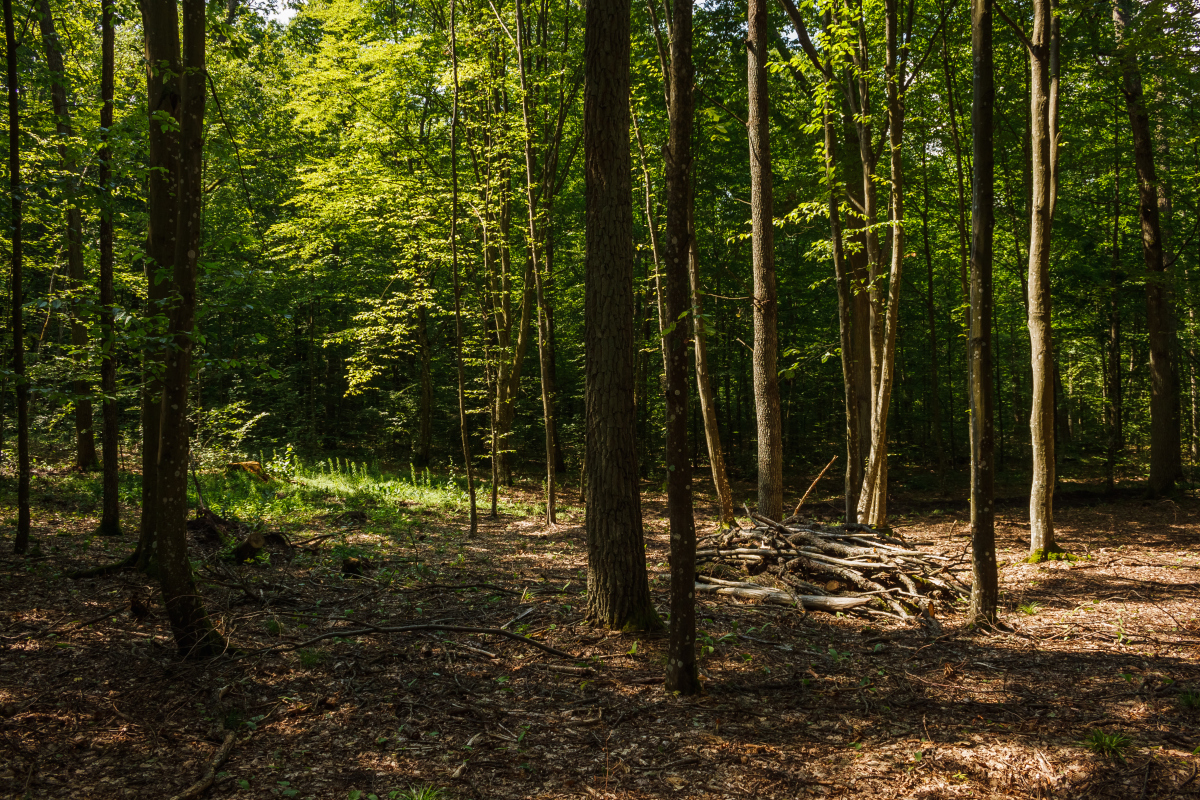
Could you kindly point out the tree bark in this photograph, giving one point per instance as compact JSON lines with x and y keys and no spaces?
{"x":1043,"y":193}
{"x":931,"y":312}
{"x":618,"y":590}
{"x":160,"y":24}
{"x":21,"y":542}
{"x":766,"y":311}
{"x":1112,"y":344}
{"x":985,"y":587}
{"x":458,"y":328}
{"x":195,"y":636}
{"x":1165,"y":440}
{"x":425,"y":412}
{"x":85,"y":440}
{"x":110,"y":518}
{"x":683,"y":675}
{"x":543,"y":332}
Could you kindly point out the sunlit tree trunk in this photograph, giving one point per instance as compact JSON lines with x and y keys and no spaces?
{"x":618,"y":590}
{"x":21,"y":543}
{"x":458,"y":327}
{"x":195,"y":636}
{"x":766,"y":311}
{"x":85,"y":440}
{"x":1043,"y":192}
{"x":985,"y":586}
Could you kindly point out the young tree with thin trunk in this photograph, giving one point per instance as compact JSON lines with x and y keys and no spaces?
{"x":1042,"y":46}
{"x":683,"y":675}
{"x":458,"y":327}
{"x":160,"y":26}
{"x":110,"y":518}
{"x":766,"y":311}
{"x":195,"y":636}
{"x":21,"y":543}
{"x":1165,"y":439}
{"x":984,"y":588}
{"x":85,"y":440}
{"x":618,"y":590}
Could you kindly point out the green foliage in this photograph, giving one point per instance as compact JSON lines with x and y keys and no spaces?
{"x":1189,"y":701}
{"x":1109,"y":745}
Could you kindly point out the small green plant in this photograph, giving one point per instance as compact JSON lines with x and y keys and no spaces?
{"x":1029,"y":609}
{"x":310,"y":658}
{"x":417,"y":793}
{"x":1189,"y":700}
{"x":1109,"y":745}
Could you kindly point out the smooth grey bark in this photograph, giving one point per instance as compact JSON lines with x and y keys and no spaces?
{"x":21,"y":542}
{"x":618,"y":589}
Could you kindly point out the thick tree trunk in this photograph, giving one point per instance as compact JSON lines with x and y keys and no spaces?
{"x":985,"y":586}
{"x":21,"y":543}
{"x":1112,"y":345}
{"x":458,"y":327}
{"x":160,"y":24}
{"x":766,"y":311}
{"x":110,"y":519}
{"x":1164,"y":417}
{"x":618,"y":590}
{"x":1043,"y":179}
{"x":683,"y":675}
{"x":195,"y":636}
{"x":85,"y":440}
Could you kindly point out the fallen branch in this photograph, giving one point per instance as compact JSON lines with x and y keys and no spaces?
{"x":206,"y":780}
{"x":812,"y":485}
{"x":751,"y":591}
{"x":410,"y":628}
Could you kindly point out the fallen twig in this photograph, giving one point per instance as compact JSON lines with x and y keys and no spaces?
{"x":813,"y":484}
{"x":206,"y":780}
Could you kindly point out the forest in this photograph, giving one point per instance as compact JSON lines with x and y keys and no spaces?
{"x":598,"y":398}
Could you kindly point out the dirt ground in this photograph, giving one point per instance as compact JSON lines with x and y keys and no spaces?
{"x":94,"y":702}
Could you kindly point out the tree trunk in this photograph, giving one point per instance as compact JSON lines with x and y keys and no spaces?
{"x":872,"y":503}
{"x":195,"y":636}
{"x":1112,"y":345}
{"x":160,"y":23}
{"x":110,"y":519}
{"x":708,"y":404}
{"x":1164,"y":418}
{"x":458,"y":328}
{"x":1043,"y":179}
{"x":425,"y":413}
{"x":766,"y":312}
{"x":21,"y":543}
{"x":85,"y":440}
{"x":618,"y":591}
{"x":683,"y":675}
{"x":985,"y":586}
{"x":930,"y":309}
{"x":543,"y":333}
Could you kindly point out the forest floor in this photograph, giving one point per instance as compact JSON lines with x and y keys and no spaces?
{"x":1093,"y":693}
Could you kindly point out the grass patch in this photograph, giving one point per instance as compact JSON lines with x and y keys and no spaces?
{"x":1109,"y":745}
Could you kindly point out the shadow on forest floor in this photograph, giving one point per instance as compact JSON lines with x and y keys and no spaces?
{"x":94,"y":703}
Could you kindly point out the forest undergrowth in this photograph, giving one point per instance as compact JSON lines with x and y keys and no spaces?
{"x":1092,"y":689}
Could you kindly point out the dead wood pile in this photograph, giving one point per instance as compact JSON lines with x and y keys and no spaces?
{"x":829,"y":568}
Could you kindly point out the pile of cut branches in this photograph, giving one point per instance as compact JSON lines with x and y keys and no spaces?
{"x":829,"y":568}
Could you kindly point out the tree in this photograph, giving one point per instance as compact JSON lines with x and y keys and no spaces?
{"x":618,"y":591}
{"x":85,"y":440}
{"x":766,"y":313}
{"x":195,"y":636}
{"x":682,"y":671}
{"x":110,"y":520}
{"x":160,"y":26}
{"x":1165,"y":437}
{"x":458,"y":327}
{"x":21,"y":543}
{"x":984,"y":588}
